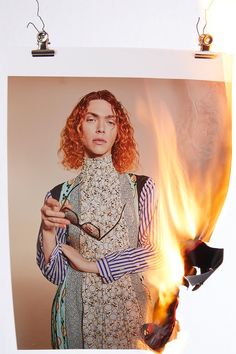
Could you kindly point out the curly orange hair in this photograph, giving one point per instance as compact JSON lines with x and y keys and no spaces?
{"x":124,"y":151}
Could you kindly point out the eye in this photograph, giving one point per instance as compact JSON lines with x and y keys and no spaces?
{"x":111,"y":122}
{"x":90,"y":118}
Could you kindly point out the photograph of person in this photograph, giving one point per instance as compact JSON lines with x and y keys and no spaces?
{"x":95,"y":156}
{"x":95,"y":238}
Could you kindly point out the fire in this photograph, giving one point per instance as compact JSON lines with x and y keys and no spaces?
{"x":169,"y":218}
{"x":190,"y":197}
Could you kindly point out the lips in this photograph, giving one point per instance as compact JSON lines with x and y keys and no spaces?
{"x":99,"y":141}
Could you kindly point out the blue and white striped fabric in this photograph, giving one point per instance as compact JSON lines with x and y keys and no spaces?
{"x":55,"y":269}
{"x":116,"y":264}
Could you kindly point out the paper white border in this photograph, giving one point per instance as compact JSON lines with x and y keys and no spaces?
{"x":84,"y":62}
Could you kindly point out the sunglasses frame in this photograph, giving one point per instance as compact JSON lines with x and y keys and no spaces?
{"x":82,"y":226}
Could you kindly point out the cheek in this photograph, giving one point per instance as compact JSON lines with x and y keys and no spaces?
{"x":114,"y":135}
{"x":115,"y":132}
{"x":84,"y":131}
{"x":84,"y":138}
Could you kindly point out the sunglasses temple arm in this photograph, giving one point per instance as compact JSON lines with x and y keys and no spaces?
{"x":116,"y":222}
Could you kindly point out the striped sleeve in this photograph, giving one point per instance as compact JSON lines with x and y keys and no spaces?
{"x":141,"y":258}
{"x":147,"y":205}
{"x":55,"y":269}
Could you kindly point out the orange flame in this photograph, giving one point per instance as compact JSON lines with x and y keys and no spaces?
{"x":191,"y":195}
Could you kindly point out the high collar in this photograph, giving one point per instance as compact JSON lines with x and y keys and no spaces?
{"x":104,"y":164}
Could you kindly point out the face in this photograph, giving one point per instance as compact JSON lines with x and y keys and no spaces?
{"x":99,"y":129}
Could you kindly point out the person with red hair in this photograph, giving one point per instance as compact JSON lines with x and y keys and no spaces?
{"x":95,"y":239}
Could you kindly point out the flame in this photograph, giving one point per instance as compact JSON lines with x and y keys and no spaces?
{"x":189,"y":202}
{"x":167,"y":278}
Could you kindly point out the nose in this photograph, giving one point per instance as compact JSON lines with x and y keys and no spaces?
{"x":100,"y":126}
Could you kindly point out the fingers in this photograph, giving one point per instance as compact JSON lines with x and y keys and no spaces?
{"x":64,"y":247}
{"x":52,"y":216}
{"x":51,"y":224}
{"x":52,"y":203}
{"x":66,"y":204}
{"x":73,"y":256}
{"x":69,"y":251}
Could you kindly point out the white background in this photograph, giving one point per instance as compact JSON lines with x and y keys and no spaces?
{"x":155,"y":24}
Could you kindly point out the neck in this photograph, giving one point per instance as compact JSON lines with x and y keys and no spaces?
{"x":97,"y":157}
{"x":98,"y":162}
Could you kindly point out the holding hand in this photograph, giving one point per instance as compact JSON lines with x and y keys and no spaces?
{"x":51,"y":215}
{"x":77,"y":261}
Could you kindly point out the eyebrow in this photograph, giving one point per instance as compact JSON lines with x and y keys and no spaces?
{"x":97,"y":115}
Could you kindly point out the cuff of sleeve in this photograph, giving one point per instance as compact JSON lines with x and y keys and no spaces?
{"x":104,"y":270}
{"x":54,"y":254}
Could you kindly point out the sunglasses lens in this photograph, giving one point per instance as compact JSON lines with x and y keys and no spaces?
{"x":91,"y":230}
{"x":71,"y":216}
{"x":88,"y":228}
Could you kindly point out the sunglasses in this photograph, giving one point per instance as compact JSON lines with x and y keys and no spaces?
{"x":89,"y":228}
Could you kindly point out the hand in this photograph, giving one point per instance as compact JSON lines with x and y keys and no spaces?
{"x":51,"y":215}
{"x":77,"y":261}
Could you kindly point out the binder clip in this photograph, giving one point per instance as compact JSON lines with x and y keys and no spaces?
{"x":204,"y":41}
{"x":42,"y":40}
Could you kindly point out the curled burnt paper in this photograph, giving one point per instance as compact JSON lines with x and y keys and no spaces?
{"x":202,"y":258}
{"x":157,"y":335}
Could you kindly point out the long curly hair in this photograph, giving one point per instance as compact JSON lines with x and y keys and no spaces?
{"x":124,"y":151}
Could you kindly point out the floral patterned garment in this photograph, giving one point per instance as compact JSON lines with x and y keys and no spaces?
{"x":111,"y":312}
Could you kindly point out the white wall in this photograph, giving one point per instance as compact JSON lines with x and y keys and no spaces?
{"x":106,"y":23}
{"x":116,"y":23}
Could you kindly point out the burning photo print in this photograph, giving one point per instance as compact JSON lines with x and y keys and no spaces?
{"x":193,"y":149}
{"x":183,"y":133}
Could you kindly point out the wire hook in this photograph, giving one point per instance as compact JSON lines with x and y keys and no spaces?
{"x":204,"y":40}
{"x":197,"y":26}
{"x":38,"y":15}
{"x":204,"y":27}
{"x":203,"y":30}
{"x":31,"y":23}
{"x":42,"y":39}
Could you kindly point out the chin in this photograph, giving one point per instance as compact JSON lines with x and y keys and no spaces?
{"x":94,"y":154}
